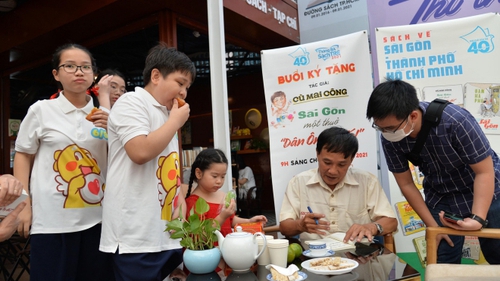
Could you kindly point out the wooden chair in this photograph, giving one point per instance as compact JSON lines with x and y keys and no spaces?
{"x":389,"y":243}
{"x":452,"y":272}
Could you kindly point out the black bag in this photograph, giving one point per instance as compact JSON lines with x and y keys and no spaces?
{"x":431,"y":118}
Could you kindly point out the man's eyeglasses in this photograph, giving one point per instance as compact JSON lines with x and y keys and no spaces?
{"x":73,"y":68}
{"x":385,"y":130}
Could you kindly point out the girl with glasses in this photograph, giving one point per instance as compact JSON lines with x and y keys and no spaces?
{"x":66,"y":157}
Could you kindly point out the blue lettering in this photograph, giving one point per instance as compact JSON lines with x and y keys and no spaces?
{"x":439,"y":8}
{"x":99,"y":133}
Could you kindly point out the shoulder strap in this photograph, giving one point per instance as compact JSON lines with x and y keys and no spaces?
{"x":431,"y":118}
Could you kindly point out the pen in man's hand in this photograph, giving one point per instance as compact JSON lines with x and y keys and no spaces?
{"x":311,"y":211}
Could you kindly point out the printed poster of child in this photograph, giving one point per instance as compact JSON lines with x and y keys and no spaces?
{"x":280,"y":110}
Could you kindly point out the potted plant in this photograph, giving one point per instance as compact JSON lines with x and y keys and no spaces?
{"x":197,"y":234}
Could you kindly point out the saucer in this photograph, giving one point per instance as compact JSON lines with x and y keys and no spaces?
{"x":307,"y":253}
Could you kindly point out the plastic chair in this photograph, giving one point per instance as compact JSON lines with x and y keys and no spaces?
{"x":445,"y":272}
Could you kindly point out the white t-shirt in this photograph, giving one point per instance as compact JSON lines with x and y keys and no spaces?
{"x":138,"y":197}
{"x":246,"y":173}
{"x":70,"y":164}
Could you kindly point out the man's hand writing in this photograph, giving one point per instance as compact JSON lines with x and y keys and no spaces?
{"x":308,"y":224}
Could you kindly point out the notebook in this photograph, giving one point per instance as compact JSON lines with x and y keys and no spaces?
{"x":5,"y":210}
{"x":335,"y":242}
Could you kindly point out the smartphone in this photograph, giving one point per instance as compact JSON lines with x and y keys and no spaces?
{"x":453,"y":218}
{"x":363,"y":250}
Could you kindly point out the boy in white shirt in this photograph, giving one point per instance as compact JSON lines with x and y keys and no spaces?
{"x":143,"y":181}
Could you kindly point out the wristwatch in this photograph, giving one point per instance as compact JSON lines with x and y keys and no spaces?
{"x":379,"y":228}
{"x":482,"y":221}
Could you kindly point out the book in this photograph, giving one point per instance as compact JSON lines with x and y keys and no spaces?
{"x":335,"y":242}
{"x":418,"y":177}
{"x":251,"y":227}
{"x":471,"y":248}
{"x":421,"y":249}
{"x":409,"y":219}
{"x":5,"y":210}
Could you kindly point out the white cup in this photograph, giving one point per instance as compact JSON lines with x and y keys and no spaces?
{"x":278,"y":251}
{"x":317,"y":248}
{"x":264,"y":258}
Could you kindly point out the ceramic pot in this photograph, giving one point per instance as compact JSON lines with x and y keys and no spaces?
{"x":201,"y":261}
{"x":240,"y":249}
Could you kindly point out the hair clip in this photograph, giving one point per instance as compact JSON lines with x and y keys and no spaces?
{"x":94,"y":90}
{"x":55,"y":95}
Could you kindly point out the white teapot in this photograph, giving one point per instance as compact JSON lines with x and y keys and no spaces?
{"x":240,"y":249}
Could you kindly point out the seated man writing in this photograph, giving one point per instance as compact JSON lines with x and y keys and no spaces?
{"x":344,"y":199}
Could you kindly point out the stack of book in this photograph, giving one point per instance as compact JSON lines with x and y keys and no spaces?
{"x":189,"y":155}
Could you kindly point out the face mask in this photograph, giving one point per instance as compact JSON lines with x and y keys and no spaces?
{"x":398,"y":135}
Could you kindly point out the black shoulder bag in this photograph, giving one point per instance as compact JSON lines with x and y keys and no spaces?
{"x":431,"y":118}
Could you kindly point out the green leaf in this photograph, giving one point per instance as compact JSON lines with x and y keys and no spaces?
{"x":177,"y":235}
{"x":175,"y":225}
{"x":201,"y":206}
{"x":196,"y":232}
{"x":194,"y":222}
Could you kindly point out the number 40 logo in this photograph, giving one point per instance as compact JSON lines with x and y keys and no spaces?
{"x":300,"y":56}
{"x":301,"y":61}
{"x":480,"y":46}
{"x":480,"y":40}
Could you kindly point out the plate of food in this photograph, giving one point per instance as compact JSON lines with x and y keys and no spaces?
{"x":279,"y":273}
{"x":301,"y":276}
{"x":330,"y":265}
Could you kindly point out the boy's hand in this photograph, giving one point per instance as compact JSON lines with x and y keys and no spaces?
{"x":100,"y":119}
{"x":179,"y":115}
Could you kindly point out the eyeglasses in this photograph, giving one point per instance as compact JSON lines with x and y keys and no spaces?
{"x":73,"y":68}
{"x":116,"y":88}
{"x":385,"y":130}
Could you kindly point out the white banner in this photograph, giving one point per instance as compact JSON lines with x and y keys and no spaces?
{"x":312,"y":87}
{"x":457,"y":60}
{"x":320,"y":19}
